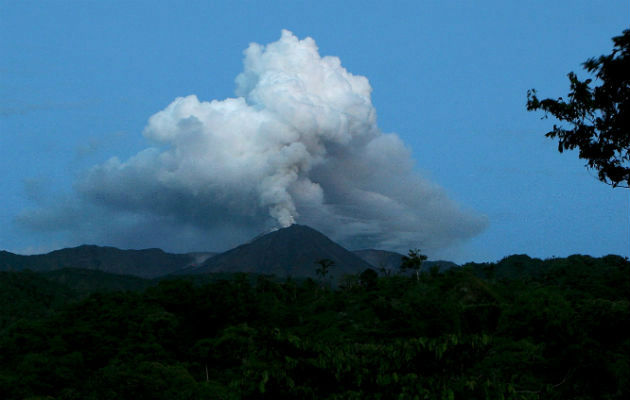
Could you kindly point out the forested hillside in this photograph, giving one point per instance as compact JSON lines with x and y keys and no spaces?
{"x":147,"y":263}
{"x":521,"y":328}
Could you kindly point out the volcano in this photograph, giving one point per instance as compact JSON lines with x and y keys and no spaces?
{"x":292,"y":251}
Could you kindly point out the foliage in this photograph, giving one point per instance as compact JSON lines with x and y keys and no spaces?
{"x":29,"y":295}
{"x":413,"y":261}
{"x":324,"y":267}
{"x":552,"y":329}
{"x":598,"y":117}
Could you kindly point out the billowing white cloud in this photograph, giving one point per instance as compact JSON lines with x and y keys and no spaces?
{"x":299,"y":143}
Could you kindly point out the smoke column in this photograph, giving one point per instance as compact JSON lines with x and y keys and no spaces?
{"x":298,"y":143}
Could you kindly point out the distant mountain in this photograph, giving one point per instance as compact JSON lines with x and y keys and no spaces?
{"x":148,"y":263}
{"x":199,"y":258}
{"x":390,"y":261}
{"x":441,"y":264}
{"x":381,"y":259}
{"x":291,"y":251}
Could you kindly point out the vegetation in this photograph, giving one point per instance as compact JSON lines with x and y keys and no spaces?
{"x":522,"y":328}
{"x":597,"y":117}
{"x":413,"y":261}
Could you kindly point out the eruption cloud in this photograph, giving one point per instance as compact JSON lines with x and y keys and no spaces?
{"x":298,"y":143}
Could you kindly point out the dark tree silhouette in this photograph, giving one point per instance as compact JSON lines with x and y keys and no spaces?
{"x":324,"y":266}
{"x":413,"y":260}
{"x":369,"y":278}
{"x":596,"y":120}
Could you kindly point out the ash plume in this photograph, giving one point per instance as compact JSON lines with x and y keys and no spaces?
{"x":298,"y":143}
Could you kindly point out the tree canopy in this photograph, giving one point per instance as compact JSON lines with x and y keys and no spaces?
{"x":413,"y":261}
{"x":537,"y":329}
{"x":595,"y":119}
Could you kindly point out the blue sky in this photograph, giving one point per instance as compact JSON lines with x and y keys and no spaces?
{"x":79,"y":81}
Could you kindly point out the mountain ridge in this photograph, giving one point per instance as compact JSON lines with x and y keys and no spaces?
{"x":291,"y":251}
{"x":145,"y":263}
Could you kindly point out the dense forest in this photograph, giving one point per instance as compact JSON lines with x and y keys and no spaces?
{"x":521,"y":328}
